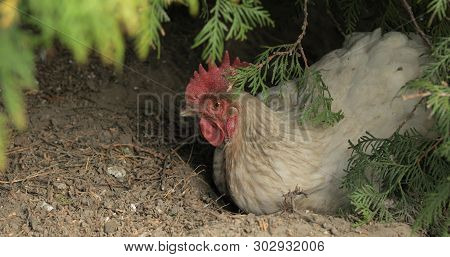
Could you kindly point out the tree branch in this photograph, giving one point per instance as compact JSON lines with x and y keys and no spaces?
{"x":333,"y":19}
{"x":298,"y":43}
{"x":297,"y":46}
{"x":414,"y":21}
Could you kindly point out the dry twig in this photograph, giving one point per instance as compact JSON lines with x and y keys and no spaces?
{"x":42,"y":173}
{"x":297,"y":46}
{"x":298,"y":43}
{"x":333,"y":19}
{"x":414,"y":21}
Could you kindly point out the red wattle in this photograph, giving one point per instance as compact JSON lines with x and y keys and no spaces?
{"x":211,"y":132}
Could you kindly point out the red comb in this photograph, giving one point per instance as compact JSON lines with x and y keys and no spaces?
{"x":212,"y":81}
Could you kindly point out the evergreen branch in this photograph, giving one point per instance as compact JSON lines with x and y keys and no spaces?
{"x":16,"y":73}
{"x":414,"y":21}
{"x":433,"y":86}
{"x":432,"y":209}
{"x":229,"y":20}
{"x":213,"y":34}
{"x":369,"y":203}
{"x":391,"y":17}
{"x":317,"y":100}
{"x":441,"y":29}
{"x":351,"y":11}
{"x":394,"y":177}
{"x":438,"y":69}
{"x":298,"y":43}
{"x":333,"y":19}
{"x":437,"y":8}
{"x":151,"y":26}
{"x":282,"y":63}
{"x":80,"y":25}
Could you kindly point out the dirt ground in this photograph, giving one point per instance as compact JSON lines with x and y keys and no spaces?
{"x":100,"y":159}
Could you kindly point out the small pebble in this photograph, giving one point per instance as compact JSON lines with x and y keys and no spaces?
{"x":159,"y":210}
{"x":47,"y":206}
{"x":116,"y":171}
{"x":60,"y":185}
{"x":133,"y":207}
{"x":85,"y":201}
{"x":334,"y":232}
{"x":175,"y":210}
{"x":318,"y":219}
{"x":327,"y":226}
{"x":159,"y":206}
{"x":34,"y":223}
{"x":111,"y":226}
{"x":92,"y":85}
{"x":108,"y":204}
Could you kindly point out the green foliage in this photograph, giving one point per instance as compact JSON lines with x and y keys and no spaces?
{"x":229,"y":20}
{"x":274,"y":65}
{"x":438,"y":69}
{"x":435,"y":209}
{"x":434,"y":84}
{"x":317,"y":100}
{"x":406,"y":177}
{"x":16,"y":74}
{"x":394,"y":17}
{"x":391,"y":15}
{"x":409,"y":170}
{"x":83,"y":26}
{"x":101,"y":27}
{"x":397,"y":178}
{"x":370,"y":204}
{"x":148,"y":34}
{"x":437,"y":8}
{"x":279,"y":64}
{"x":351,"y":10}
{"x":438,"y":100}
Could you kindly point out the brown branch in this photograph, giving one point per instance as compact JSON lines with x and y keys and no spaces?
{"x":422,"y":94}
{"x":41,"y":173}
{"x":414,"y":21}
{"x":415,"y":95}
{"x":410,"y":115}
{"x":334,"y":20}
{"x":298,"y":43}
{"x":431,"y":148}
{"x":297,"y":46}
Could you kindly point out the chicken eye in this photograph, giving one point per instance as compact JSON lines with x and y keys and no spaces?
{"x":216,"y":105}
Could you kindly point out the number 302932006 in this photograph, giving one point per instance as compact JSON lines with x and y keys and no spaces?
{"x":294,"y":246}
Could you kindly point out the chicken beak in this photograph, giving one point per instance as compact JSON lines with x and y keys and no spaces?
{"x":188,"y":112}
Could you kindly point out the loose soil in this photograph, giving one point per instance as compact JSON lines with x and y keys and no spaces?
{"x":100,"y":158}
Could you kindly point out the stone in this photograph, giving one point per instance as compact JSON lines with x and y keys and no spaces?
{"x":47,"y":206}
{"x":116,"y":171}
{"x":111,"y":226}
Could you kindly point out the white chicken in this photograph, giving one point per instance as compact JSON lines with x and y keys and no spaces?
{"x":262,"y":155}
